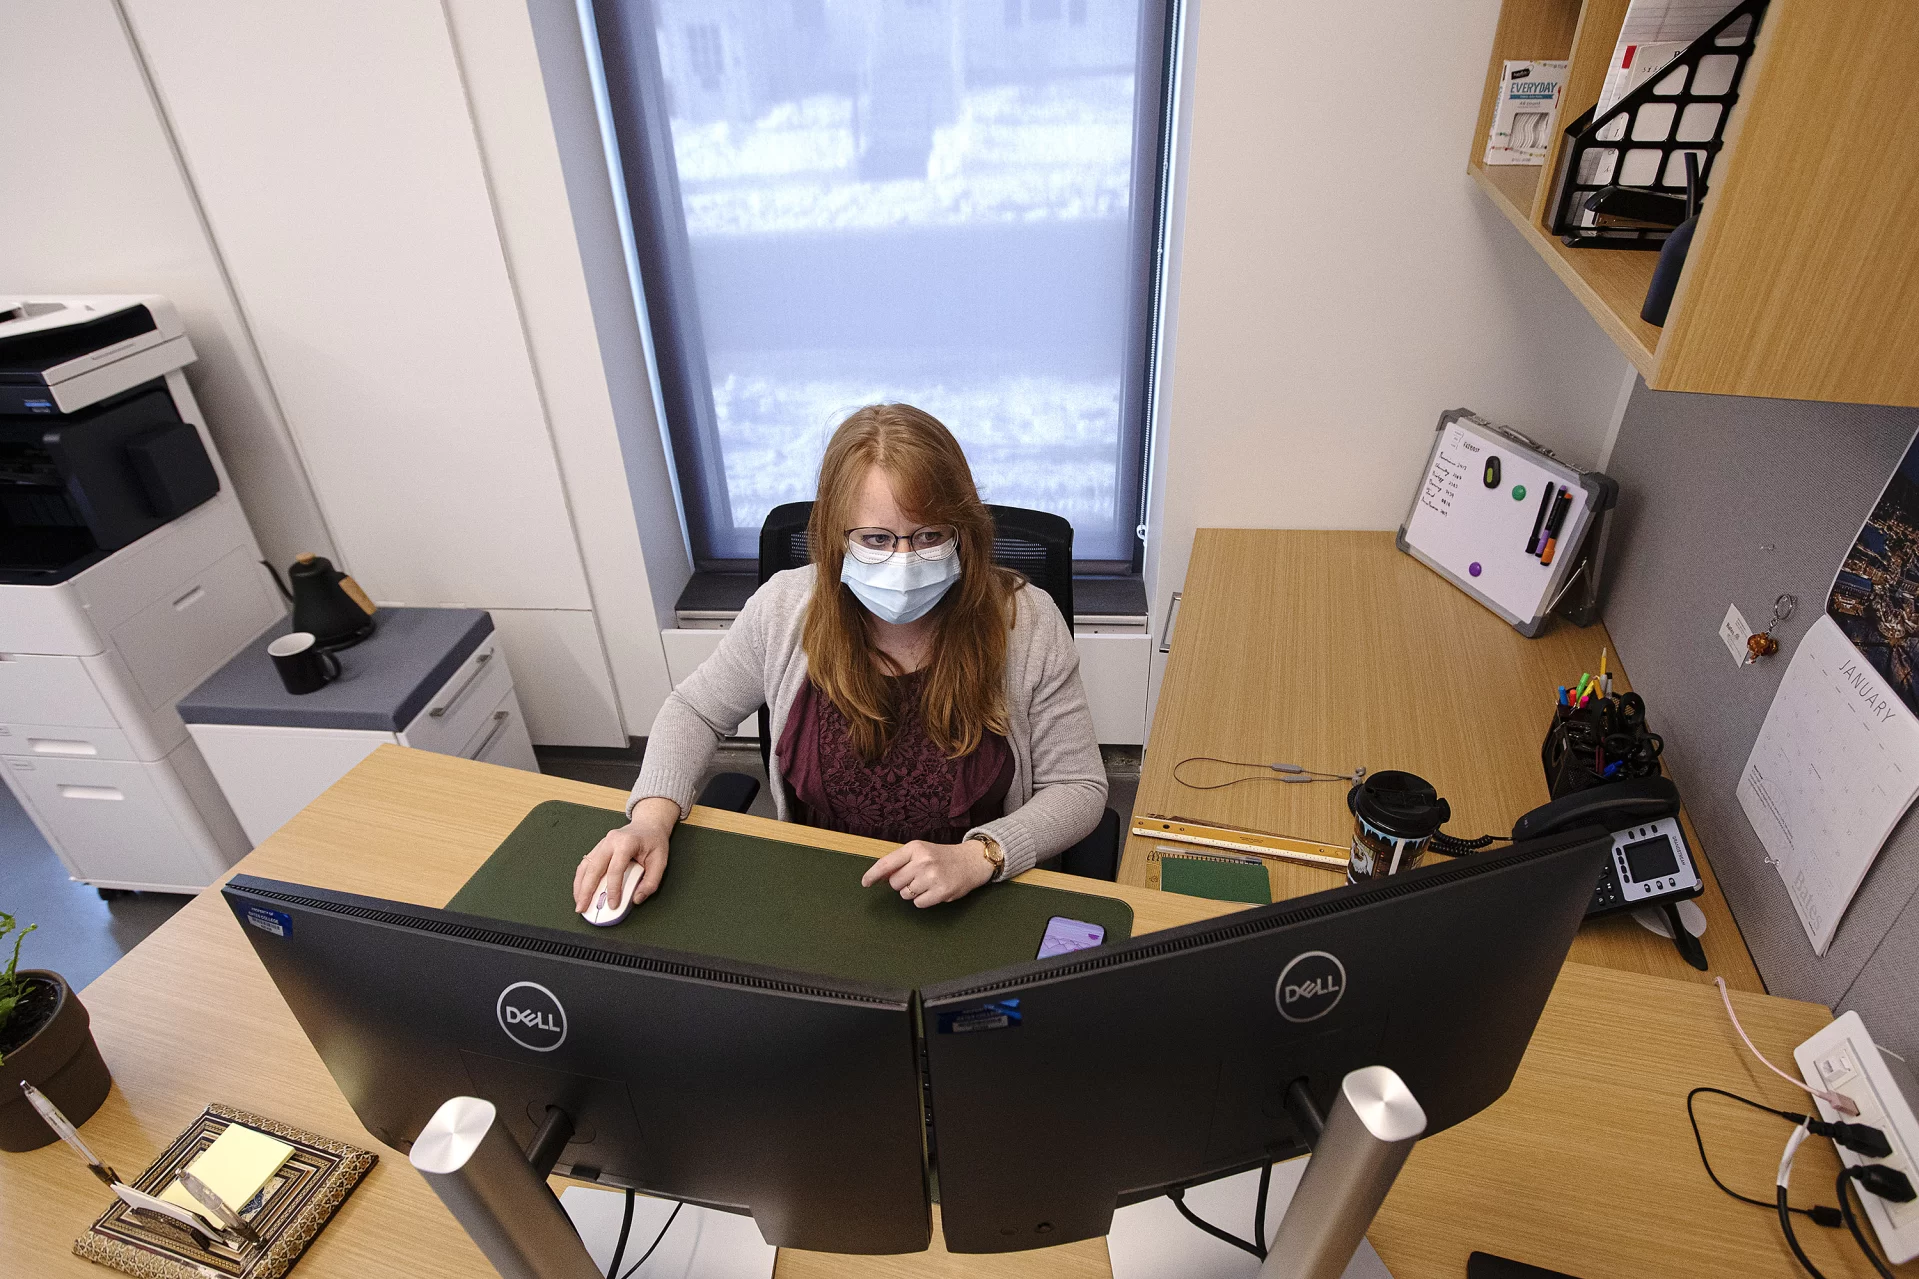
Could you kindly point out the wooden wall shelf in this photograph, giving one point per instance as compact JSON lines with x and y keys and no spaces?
{"x":1803,"y":279}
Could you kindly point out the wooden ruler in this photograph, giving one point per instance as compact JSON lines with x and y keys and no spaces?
{"x":1235,"y":839}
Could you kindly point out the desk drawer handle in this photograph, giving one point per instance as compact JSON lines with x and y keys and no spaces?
{"x":499,"y":726}
{"x":1172,"y":615}
{"x":90,"y":792}
{"x":479,"y":664}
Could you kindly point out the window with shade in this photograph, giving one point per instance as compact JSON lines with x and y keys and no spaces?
{"x":951,"y":203}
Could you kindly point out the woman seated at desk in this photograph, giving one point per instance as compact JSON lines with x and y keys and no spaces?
{"x":920,"y":694}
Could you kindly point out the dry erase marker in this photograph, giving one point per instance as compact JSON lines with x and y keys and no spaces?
{"x":1554,"y":524}
{"x":1539,"y":520}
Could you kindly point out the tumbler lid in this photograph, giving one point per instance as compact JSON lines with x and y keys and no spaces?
{"x":1403,"y":805}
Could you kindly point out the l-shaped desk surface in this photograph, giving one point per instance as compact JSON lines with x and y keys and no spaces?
{"x":1586,"y":1165}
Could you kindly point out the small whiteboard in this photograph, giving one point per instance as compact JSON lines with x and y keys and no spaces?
{"x":1501,"y":518}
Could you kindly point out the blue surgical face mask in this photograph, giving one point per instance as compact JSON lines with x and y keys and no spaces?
{"x":903,"y":587}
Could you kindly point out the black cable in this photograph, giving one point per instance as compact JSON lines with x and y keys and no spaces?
{"x":619,"y":1249}
{"x":656,"y":1241}
{"x":1792,"y":1240}
{"x":1259,"y":1210}
{"x":1820,"y":1213}
{"x":1453,"y":846}
{"x":1843,"y":1188}
{"x":1178,"y":1196}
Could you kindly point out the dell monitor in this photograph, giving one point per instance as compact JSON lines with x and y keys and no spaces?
{"x":794,"y":1098}
{"x":1063,"y":1089}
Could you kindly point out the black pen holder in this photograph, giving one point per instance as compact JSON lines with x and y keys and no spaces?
{"x":1604,"y":741}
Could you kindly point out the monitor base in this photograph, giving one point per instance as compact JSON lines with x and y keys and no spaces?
{"x":1330,"y":1197}
{"x":1151,"y":1240}
{"x":702,"y":1243}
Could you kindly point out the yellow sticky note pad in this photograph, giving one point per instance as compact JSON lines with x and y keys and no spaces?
{"x":234,"y":1167}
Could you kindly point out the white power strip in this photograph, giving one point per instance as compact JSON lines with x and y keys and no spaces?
{"x":1842,"y":1058}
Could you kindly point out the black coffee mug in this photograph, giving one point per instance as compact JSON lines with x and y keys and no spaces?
{"x":304,"y":667}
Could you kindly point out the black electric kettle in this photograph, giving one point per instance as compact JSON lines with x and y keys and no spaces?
{"x":326,"y":602}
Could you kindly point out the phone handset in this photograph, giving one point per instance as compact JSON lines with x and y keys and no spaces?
{"x":1651,"y":864}
{"x":1609,"y":807}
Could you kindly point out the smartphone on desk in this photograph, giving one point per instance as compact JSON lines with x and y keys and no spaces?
{"x":1063,"y":936}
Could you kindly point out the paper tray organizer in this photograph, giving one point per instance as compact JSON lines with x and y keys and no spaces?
{"x":1642,"y":140}
{"x":293,"y":1206}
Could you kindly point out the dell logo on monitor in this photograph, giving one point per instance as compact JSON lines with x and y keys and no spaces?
{"x":1309,"y":986}
{"x":531,"y":1016}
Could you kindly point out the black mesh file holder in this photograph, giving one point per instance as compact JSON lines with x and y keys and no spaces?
{"x":1642,"y":140}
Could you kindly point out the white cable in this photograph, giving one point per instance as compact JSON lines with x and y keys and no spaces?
{"x":1838,"y":1101}
{"x":1799,"y":1134}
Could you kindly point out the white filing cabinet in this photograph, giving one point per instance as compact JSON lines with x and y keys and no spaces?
{"x":432,"y":679}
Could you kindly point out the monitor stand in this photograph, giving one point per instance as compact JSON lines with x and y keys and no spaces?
{"x":1357,"y":1153}
{"x":501,"y":1199}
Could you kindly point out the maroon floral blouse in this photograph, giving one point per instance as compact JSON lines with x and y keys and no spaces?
{"x":911,"y":792}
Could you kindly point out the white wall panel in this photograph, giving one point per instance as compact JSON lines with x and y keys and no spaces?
{"x":1114,"y":669}
{"x":501,"y":65}
{"x":94,"y":201}
{"x":560,"y":676}
{"x":335,"y":158}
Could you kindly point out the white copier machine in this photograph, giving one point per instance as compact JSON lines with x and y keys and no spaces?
{"x":127,"y":575}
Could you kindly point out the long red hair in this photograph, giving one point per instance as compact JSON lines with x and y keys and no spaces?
{"x":963,"y":696}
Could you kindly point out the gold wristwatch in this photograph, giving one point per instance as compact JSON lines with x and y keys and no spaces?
{"x":994,"y":854}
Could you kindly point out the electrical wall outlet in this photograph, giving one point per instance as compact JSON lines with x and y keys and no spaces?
{"x":1842,"y":1058}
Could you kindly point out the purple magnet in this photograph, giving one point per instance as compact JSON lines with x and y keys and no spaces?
{"x":1473,"y":568}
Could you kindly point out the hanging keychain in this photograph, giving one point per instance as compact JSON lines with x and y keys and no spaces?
{"x":1763,"y":644}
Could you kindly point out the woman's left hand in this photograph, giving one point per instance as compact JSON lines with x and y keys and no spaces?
{"x":927,"y":874}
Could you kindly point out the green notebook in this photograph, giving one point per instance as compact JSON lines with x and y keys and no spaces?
{"x":767,"y":902}
{"x":1221,"y":881}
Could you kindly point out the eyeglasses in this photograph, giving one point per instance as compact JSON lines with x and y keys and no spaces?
{"x":875,"y":545}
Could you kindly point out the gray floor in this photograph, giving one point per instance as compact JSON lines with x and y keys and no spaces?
{"x":79,"y":936}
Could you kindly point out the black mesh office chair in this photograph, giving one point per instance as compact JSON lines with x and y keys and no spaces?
{"x":1035,"y":544}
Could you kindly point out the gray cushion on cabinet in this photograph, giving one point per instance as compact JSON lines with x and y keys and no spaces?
{"x":385,"y":680}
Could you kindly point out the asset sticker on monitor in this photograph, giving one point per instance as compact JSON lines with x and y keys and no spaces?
{"x":1064,"y":936}
{"x":277,"y":922}
{"x":1000,"y":1014}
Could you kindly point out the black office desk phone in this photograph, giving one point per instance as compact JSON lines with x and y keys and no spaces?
{"x":1651,"y":863}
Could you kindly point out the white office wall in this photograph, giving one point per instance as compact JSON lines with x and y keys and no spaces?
{"x":335,"y":158}
{"x":94,"y":201}
{"x":1340,"y":279}
{"x":578,"y":370}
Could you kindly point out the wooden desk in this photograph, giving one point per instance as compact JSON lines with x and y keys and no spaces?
{"x":1333,"y":650}
{"x":1588,"y":1132}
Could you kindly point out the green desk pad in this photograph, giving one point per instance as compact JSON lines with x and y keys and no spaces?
{"x":1221,"y":881}
{"x":767,"y":902}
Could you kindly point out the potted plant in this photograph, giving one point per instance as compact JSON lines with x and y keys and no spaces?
{"x":44,"y":1039}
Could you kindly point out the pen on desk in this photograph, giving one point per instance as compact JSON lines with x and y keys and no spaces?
{"x":64,"y":1129}
{"x":1539,"y":520}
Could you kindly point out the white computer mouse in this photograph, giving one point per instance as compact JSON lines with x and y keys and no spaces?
{"x":605,"y":913}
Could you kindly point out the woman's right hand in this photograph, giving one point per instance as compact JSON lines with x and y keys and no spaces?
{"x":642,"y":840}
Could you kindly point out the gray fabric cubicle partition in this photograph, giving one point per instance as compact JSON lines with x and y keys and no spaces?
{"x":1733,"y":500}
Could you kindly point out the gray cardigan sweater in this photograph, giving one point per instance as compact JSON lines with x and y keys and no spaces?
{"x":1059,"y":785}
